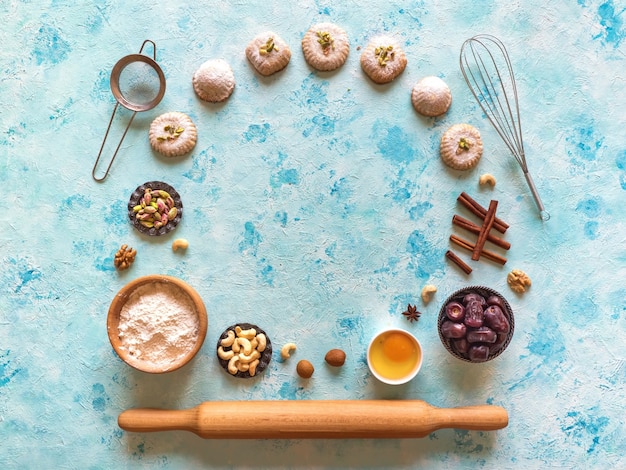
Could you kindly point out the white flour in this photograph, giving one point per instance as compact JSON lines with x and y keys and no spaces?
{"x":158,"y":324}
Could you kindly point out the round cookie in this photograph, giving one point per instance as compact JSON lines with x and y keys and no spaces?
{"x":461,"y":147}
{"x":214,"y":81}
{"x":431,"y":97}
{"x":173,"y":134}
{"x":383,"y":59}
{"x":325,"y":46}
{"x":268,"y":53}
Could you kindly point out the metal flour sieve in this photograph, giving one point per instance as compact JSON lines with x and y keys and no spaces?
{"x":138,"y":84}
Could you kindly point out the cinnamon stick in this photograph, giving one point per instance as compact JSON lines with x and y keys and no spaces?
{"x":458,"y":261}
{"x":485,"y":229}
{"x":472,"y":227}
{"x":479,"y":211}
{"x":496,"y":258}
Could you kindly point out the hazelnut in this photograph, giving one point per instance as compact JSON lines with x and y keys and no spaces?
{"x":335,"y":357}
{"x":305,"y":369}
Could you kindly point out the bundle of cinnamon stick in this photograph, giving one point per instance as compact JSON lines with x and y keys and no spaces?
{"x":483,"y":232}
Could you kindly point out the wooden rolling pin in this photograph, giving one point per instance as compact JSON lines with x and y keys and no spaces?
{"x":296,"y":419}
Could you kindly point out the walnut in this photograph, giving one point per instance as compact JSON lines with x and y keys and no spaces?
{"x":124,"y":257}
{"x":518,"y":281}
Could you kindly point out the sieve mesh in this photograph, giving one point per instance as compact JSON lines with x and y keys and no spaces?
{"x":139,"y":83}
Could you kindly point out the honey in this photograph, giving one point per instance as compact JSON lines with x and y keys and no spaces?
{"x":394,"y":355}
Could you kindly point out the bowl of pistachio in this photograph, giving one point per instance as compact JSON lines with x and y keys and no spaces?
{"x":155,"y":208}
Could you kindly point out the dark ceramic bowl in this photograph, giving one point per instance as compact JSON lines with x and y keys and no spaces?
{"x":264,"y":360}
{"x":135,"y":199}
{"x":495,"y":349}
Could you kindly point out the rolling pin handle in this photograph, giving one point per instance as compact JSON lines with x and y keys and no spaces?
{"x":473,"y":418}
{"x":153,"y":419}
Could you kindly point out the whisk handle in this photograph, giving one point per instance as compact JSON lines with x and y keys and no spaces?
{"x":545,"y":215}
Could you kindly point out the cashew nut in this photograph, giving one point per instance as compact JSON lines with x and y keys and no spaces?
{"x":232,"y":365}
{"x":427,"y":292}
{"x":226,"y":355}
{"x":285,"y":351}
{"x":229,"y":340}
{"x":180,"y":243}
{"x":262,"y":342}
{"x":487,"y":178}
{"x":244,"y":344}
{"x":244,"y":358}
{"x":252,"y":368}
{"x":247,"y":334}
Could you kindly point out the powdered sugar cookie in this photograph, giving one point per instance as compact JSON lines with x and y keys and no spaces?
{"x":268,"y":53}
{"x":173,"y":134}
{"x":431,"y":96}
{"x":383,"y":59}
{"x":325,"y":46}
{"x":214,"y":81}
{"x":461,"y":147}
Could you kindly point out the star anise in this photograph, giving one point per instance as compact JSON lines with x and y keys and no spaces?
{"x":411,"y":313}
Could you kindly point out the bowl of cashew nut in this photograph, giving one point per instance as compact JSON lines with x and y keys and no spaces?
{"x":244,"y":350}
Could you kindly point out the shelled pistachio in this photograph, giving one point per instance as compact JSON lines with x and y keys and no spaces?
{"x":155,"y":209}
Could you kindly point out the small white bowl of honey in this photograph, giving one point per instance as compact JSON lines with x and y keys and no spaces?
{"x":394,"y":356}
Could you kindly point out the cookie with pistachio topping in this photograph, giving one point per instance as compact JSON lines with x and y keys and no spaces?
{"x":461,"y":147}
{"x":268,"y":53}
{"x":383,"y":59}
{"x":325,"y":46}
{"x":173,"y":134}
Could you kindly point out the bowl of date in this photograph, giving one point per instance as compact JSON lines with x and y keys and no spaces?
{"x":476,"y":324}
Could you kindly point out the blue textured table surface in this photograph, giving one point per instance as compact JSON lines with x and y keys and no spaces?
{"x":317,"y":207}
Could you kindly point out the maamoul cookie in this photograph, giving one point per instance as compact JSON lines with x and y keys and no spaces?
{"x":383,"y":59}
{"x":268,"y":53}
{"x":431,"y":97}
{"x":461,"y":147}
{"x":325,"y":46}
{"x":214,"y":81}
{"x":173,"y":134}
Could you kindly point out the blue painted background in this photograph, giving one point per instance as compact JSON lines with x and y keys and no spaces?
{"x":317,"y":207}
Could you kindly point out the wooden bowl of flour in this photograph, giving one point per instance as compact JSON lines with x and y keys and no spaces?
{"x":157,"y":323}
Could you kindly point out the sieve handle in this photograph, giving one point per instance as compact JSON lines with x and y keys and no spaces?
{"x":95,"y":166}
{"x":153,"y":48}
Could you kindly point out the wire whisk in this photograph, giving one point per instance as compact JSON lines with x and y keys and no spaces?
{"x":487,"y":70}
